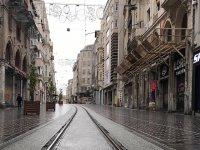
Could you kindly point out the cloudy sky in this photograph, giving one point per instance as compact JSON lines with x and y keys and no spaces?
{"x":67,"y":44}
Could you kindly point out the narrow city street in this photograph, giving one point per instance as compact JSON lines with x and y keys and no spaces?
{"x":133,"y":129}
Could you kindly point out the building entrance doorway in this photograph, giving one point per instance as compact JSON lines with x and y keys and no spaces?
{"x":197,"y":89}
{"x":180,"y":92}
{"x":165,"y":93}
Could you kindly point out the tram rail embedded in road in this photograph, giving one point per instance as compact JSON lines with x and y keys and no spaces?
{"x":55,"y":139}
{"x":116,"y":145}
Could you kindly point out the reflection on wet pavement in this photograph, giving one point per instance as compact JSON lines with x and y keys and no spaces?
{"x":174,"y":130}
{"x":14,"y":123}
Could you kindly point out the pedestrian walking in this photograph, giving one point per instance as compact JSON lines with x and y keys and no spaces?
{"x":19,"y":101}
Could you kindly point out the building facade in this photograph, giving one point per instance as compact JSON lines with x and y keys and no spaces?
{"x":42,"y":50}
{"x":17,"y":26}
{"x":99,"y":67}
{"x":23,"y":32}
{"x":75,"y":82}
{"x":69,"y":95}
{"x":82,"y":76}
{"x":157,"y":70}
{"x":110,"y":46}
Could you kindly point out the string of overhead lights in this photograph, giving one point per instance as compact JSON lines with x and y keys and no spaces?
{"x":71,"y":12}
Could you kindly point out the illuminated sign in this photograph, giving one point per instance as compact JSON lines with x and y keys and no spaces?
{"x":196,"y":58}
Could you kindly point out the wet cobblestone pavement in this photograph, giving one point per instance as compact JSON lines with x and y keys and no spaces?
{"x":177,"y":131}
{"x":14,"y":123}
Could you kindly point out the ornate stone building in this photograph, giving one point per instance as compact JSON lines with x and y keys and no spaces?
{"x":17,"y":26}
{"x":42,"y":53}
{"x":23,"y":28}
{"x":157,"y":70}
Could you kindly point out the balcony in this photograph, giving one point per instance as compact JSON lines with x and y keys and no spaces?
{"x":19,"y":10}
{"x":169,"y":3}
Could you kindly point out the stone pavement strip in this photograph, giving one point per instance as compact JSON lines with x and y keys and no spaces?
{"x":128,"y":139}
{"x":39,"y":136}
{"x":13,"y":123}
{"x":174,"y":130}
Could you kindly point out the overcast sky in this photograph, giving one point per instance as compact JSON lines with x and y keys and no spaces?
{"x":67,"y":44}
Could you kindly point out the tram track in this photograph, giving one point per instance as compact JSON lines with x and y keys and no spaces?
{"x":50,"y":145}
{"x":53,"y":143}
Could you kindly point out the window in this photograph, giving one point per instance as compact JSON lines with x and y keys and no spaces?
{"x":88,"y":81}
{"x":83,"y":71}
{"x":148,"y":15}
{"x":116,"y":6}
{"x":45,"y":70}
{"x":115,"y":23}
{"x":107,"y":64}
{"x":112,"y":25}
{"x":10,"y":21}
{"x":18,"y":32}
{"x":107,"y":49}
{"x":39,"y":70}
{"x":108,"y":33}
{"x":107,"y":19}
{"x":83,"y":80}
{"x":89,"y":71}
{"x":158,"y":4}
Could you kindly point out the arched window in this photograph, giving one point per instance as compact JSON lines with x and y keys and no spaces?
{"x":184,"y":25}
{"x":17,"y":59}
{"x":168,"y":32}
{"x":8,"y":52}
{"x":24,"y":64}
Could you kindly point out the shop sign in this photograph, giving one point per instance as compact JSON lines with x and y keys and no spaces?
{"x":196,"y":58}
{"x":164,"y":71}
{"x":179,"y":66}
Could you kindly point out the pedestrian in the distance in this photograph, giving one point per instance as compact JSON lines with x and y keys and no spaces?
{"x":19,"y":101}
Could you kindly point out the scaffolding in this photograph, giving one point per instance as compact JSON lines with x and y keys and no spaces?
{"x":153,"y":49}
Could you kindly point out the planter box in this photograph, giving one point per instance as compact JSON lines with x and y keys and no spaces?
{"x":50,"y":105}
{"x":32,"y":107}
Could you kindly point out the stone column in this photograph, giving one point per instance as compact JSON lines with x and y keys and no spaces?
{"x":2,"y":85}
{"x":171,"y":89}
{"x":188,"y":80}
{"x":134,"y":96}
{"x":14,"y":93}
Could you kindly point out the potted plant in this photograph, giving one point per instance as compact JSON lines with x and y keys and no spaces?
{"x":51,"y":89}
{"x":32,"y":106}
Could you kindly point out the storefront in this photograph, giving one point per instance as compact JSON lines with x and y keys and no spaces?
{"x":164,"y":75}
{"x":128,"y":100}
{"x":179,"y":73}
{"x":196,"y":80}
{"x":9,"y":72}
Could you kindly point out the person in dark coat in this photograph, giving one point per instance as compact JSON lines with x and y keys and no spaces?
{"x":19,"y":101}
